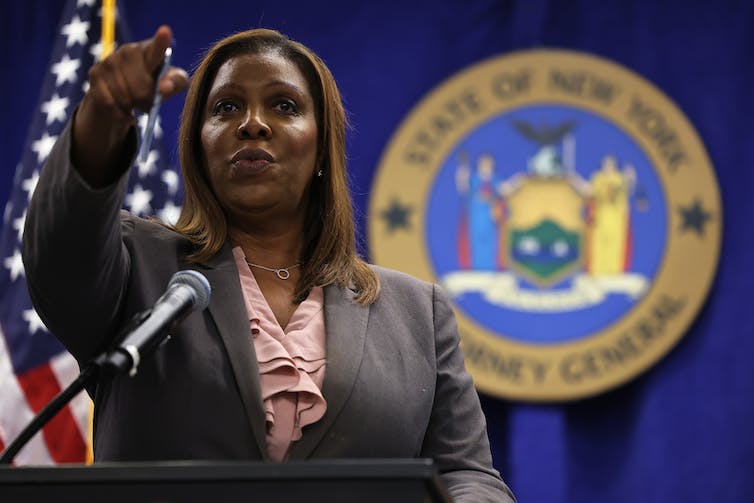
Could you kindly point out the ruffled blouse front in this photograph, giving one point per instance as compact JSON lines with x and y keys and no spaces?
{"x":291,"y":361}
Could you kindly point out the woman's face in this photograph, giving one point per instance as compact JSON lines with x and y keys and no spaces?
{"x":259,"y":138}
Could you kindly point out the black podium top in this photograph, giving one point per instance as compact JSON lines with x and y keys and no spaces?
{"x":332,"y":481}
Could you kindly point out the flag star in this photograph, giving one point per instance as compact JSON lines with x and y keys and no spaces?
{"x":65,"y":70}
{"x":9,"y":206}
{"x":14,"y":264}
{"x":18,"y":224}
{"x":143,"y":125}
{"x":148,"y":166}
{"x":170,"y":178}
{"x":35,"y":322}
{"x":88,"y":3}
{"x":85,"y":87}
{"x":31,"y":183}
{"x":75,"y":32}
{"x":138,"y":201}
{"x":55,"y":109}
{"x":96,"y":50}
{"x":43,"y":146}
{"x":169,"y":213}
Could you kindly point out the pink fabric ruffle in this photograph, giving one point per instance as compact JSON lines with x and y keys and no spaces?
{"x":291,"y":362}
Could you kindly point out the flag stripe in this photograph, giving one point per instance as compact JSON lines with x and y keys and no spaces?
{"x":15,"y":414}
{"x":61,"y":434}
{"x":66,"y":369}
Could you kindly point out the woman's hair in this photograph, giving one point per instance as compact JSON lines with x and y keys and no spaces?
{"x":329,"y":255}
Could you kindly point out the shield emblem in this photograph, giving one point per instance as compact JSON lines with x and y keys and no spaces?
{"x":545,"y":230}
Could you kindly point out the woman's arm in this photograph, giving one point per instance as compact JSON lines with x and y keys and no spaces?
{"x":76,"y":265}
{"x":456,"y":437}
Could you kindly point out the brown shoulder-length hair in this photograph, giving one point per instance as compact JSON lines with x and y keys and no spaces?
{"x":329,"y":255}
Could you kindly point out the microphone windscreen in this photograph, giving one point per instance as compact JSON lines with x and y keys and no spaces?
{"x":197,"y":282}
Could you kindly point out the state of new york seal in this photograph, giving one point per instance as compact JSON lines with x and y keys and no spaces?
{"x":568,"y":208}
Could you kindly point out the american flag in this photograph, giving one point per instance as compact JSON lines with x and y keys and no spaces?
{"x":34,"y":367}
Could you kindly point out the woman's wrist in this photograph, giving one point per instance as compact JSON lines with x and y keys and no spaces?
{"x":100,"y":146}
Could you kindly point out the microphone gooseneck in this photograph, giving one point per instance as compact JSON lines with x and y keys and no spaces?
{"x":187,"y":291}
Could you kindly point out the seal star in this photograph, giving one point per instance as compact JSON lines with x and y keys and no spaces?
{"x":396,"y":216}
{"x":695,"y":217}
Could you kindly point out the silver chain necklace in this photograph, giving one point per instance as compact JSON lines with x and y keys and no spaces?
{"x":282,"y":273}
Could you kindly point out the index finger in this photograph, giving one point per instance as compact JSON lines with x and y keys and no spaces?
{"x":154,"y":48}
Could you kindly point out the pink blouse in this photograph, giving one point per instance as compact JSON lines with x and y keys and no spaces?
{"x":291,"y":361}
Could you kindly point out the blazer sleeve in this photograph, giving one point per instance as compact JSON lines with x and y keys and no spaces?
{"x":456,"y":437}
{"x":75,"y":260}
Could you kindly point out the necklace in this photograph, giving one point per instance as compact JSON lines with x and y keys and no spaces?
{"x":282,"y":273}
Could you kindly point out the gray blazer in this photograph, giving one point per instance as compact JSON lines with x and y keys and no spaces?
{"x":395,"y":382}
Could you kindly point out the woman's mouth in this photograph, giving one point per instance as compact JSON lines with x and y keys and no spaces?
{"x":251,"y":159}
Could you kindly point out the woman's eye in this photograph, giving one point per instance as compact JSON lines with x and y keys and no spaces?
{"x":225,"y":107}
{"x":286,"y":106}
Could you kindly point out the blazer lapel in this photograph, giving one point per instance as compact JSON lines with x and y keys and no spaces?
{"x":229,"y":313}
{"x":346,"y":326}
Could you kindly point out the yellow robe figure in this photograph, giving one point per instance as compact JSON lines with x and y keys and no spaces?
{"x":609,"y":236}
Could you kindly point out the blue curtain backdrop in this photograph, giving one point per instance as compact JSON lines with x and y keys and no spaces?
{"x":683,"y":431}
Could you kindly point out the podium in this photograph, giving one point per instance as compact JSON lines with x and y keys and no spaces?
{"x":331,"y":481}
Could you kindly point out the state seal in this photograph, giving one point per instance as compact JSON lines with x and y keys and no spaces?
{"x":568,"y":208}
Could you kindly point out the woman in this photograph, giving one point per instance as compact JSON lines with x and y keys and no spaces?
{"x":304,"y":351}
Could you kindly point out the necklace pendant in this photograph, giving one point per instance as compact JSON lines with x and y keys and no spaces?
{"x":283,"y":273}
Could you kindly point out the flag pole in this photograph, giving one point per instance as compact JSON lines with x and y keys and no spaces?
{"x":108,"y":28}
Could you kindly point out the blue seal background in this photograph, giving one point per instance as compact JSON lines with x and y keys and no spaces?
{"x":594,"y":138}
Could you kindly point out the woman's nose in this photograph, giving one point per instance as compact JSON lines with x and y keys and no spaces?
{"x":253,"y":126}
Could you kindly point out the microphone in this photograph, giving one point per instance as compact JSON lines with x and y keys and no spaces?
{"x":187,"y":291}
